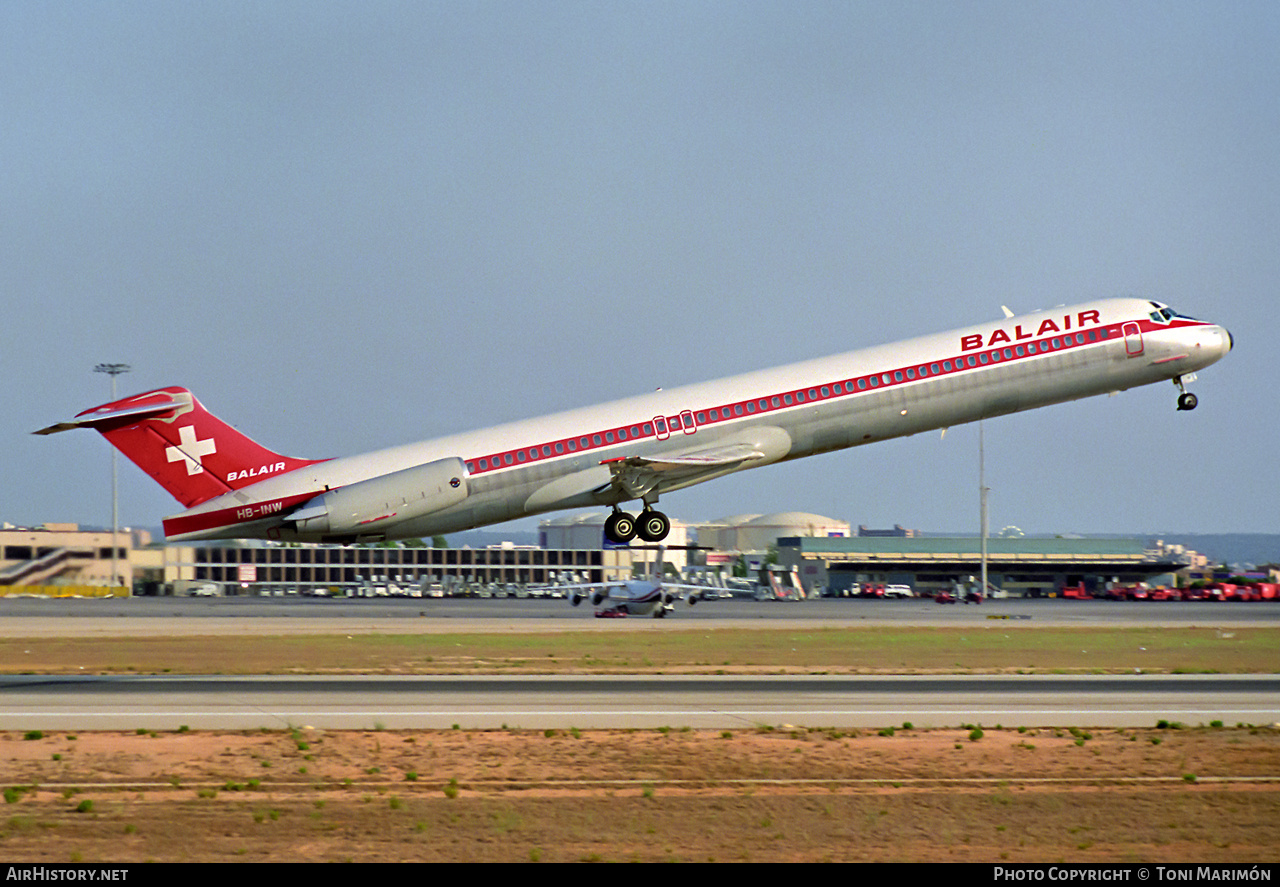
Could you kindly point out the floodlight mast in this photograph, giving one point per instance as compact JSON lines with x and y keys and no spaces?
{"x":983,"y":490}
{"x":113,"y":370}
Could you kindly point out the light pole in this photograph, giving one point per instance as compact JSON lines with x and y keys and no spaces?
{"x":113,"y":370}
{"x":983,"y":491}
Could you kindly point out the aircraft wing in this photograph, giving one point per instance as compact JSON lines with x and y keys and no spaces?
{"x":691,"y":593}
{"x":579,"y":586}
{"x":596,"y":592}
{"x":682,"y":463}
{"x":636,"y":476}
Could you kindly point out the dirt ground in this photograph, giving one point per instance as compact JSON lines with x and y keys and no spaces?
{"x":1151,"y":795}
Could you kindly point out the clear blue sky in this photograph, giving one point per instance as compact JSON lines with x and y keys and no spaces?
{"x":354,"y":225}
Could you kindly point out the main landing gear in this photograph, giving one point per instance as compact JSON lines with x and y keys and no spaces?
{"x":652,"y":526}
{"x":1186,"y":400}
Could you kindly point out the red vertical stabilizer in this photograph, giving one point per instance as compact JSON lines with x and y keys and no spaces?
{"x":187,"y":450}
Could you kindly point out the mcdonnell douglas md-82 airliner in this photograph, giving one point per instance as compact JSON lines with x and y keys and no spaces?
{"x":642,"y":447}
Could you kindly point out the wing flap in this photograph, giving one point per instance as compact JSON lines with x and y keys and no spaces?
{"x":637,"y":476}
{"x":634,"y":477}
{"x":718,"y":455}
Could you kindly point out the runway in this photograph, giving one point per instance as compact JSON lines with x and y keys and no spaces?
{"x":31,"y":702}
{"x":142,"y":617}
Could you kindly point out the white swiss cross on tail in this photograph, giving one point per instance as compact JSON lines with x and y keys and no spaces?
{"x":190,"y":449}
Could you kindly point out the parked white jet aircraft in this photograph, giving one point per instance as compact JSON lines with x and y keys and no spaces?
{"x":645,"y":446}
{"x":634,"y":597}
{"x":651,"y":596}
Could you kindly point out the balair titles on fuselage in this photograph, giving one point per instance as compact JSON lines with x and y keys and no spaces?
{"x":1047,"y":326}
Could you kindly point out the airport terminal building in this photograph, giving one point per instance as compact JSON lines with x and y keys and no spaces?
{"x":248,"y":567}
{"x":65,"y":559}
{"x":825,"y":559}
{"x":64,"y":554}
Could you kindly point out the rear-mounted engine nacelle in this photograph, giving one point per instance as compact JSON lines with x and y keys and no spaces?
{"x":370,"y":505}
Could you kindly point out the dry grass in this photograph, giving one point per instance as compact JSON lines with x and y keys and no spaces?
{"x":1176,"y":795}
{"x":994,"y":647}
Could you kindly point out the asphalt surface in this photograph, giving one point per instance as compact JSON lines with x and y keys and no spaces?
{"x":30,"y":702}
{"x":34,"y":617}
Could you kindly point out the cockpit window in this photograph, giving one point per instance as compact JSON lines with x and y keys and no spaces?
{"x":1164,"y":314}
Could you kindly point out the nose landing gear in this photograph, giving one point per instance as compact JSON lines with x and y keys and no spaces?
{"x":1186,"y":400}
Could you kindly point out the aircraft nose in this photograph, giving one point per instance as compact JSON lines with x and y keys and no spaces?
{"x":1225,"y":339}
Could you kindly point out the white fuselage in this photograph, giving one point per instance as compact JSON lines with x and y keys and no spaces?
{"x":635,"y":597}
{"x":560,"y":461}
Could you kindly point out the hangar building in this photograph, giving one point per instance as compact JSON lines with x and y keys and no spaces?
{"x":1021,"y":567}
